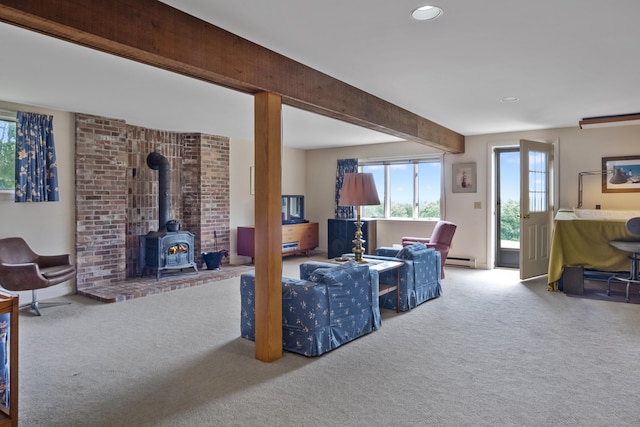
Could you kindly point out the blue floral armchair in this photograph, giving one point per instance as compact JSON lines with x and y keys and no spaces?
{"x":420,"y":278}
{"x":335,"y":305}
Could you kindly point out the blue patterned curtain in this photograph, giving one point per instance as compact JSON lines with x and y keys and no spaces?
{"x":36,"y":170}
{"x":344,"y":166}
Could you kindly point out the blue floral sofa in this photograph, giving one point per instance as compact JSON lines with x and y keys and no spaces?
{"x":420,"y":278}
{"x":333,"y":305}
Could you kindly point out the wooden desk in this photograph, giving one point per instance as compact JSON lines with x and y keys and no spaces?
{"x":585,"y":242}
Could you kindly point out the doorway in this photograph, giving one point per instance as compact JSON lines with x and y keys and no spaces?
{"x":507,"y":179}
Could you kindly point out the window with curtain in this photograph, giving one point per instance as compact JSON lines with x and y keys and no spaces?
{"x":410,"y":189}
{"x":36,"y":172}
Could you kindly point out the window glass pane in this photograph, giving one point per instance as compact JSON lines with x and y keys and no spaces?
{"x":538,"y":191}
{"x":378,"y":177}
{"x":401,"y":190}
{"x":509,"y":198}
{"x":404,"y":185}
{"x":429,"y":190}
{"x":7,"y":154}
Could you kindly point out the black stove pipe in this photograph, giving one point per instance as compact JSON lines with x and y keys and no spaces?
{"x":157,"y":161}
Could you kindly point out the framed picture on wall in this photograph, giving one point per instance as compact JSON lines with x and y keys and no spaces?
{"x":464,"y":178}
{"x":624,"y":176}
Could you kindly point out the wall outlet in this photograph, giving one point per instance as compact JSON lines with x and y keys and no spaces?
{"x":477,"y":205}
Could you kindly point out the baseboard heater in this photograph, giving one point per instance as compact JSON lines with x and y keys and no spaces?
{"x":461,"y":261}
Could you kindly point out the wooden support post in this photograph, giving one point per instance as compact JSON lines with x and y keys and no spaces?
{"x":268,"y":226}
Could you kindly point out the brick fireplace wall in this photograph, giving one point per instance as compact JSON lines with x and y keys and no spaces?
{"x":117,"y":193}
{"x":206,"y":190}
{"x":142,"y":186}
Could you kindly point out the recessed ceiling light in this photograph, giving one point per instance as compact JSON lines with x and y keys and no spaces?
{"x":510,"y":99}
{"x":426,"y":13}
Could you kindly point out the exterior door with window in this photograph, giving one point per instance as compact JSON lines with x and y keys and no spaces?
{"x":536,"y":211}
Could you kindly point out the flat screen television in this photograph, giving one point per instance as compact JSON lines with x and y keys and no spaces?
{"x":293,"y":209}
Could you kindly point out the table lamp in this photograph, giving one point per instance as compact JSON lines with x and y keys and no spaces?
{"x":617,"y":178}
{"x":358,"y":189}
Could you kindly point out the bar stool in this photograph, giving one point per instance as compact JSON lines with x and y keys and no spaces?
{"x":633,"y":247}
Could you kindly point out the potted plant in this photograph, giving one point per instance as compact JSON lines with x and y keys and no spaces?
{"x":214,"y":259}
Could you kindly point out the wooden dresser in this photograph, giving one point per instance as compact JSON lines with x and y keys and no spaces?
{"x":296,"y":238}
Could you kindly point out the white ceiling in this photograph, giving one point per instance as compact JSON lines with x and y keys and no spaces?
{"x":564,"y":59}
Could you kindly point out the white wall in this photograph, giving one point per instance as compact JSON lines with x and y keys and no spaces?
{"x":48,"y":227}
{"x":312,"y":173}
{"x":321,"y":178}
{"x":241,"y":203}
{"x":294,"y":171}
{"x":577,"y":150}
{"x":241,"y":158}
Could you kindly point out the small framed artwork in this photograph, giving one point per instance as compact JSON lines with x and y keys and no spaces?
{"x":464,"y":178}
{"x":624,"y":176}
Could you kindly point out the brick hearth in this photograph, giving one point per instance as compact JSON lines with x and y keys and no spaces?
{"x":148,"y":285}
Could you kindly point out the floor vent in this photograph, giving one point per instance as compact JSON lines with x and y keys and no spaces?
{"x":461,"y":261}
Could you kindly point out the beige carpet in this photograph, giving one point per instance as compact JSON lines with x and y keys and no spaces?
{"x":492,"y":351}
{"x":597,"y":289}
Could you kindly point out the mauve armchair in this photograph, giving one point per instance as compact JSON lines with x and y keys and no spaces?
{"x":440,"y":239}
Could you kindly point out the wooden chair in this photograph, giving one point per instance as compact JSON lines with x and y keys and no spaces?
{"x":440,"y":239}
{"x":21,"y":269}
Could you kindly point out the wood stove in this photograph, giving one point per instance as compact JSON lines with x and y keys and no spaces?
{"x":163,"y":249}
{"x":166,"y":250}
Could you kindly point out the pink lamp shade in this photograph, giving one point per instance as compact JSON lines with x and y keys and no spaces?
{"x":358,"y":189}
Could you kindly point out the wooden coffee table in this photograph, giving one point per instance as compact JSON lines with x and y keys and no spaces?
{"x":381,"y":266}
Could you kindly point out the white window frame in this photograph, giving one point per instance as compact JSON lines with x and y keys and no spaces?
{"x":387,"y":162}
